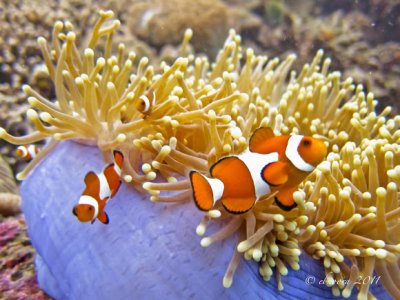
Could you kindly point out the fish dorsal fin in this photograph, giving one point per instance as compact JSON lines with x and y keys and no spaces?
{"x":92,"y":184}
{"x":118,"y":158}
{"x":259,"y":136}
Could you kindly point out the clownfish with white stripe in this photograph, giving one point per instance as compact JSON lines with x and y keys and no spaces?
{"x":99,"y":189}
{"x":145,"y":103}
{"x":27,"y":153}
{"x":270,"y":164}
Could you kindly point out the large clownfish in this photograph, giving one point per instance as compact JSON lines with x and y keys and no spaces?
{"x":99,"y":189}
{"x":271,"y":163}
{"x":27,"y":153}
{"x":144,"y":104}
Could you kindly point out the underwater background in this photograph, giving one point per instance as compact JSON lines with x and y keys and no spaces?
{"x":362,"y":39}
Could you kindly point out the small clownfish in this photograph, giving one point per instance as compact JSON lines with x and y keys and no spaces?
{"x":145,"y":103}
{"x":27,"y":153}
{"x":270,"y":163}
{"x":99,"y":189}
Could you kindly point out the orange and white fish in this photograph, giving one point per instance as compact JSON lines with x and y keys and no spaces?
{"x":271,"y":163}
{"x":27,"y":153}
{"x":99,"y":189}
{"x":145,"y":103}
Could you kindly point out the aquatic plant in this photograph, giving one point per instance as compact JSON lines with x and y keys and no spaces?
{"x":204,"y":111}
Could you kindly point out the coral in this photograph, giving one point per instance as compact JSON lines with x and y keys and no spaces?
{"x":17,"y":276}
{"x":20,"y":57}
{"x":164,"y":22}
{"x":204,"y":111}
{"x":343,"y":36}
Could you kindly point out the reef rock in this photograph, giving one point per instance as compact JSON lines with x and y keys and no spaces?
{"x":147,"y":250}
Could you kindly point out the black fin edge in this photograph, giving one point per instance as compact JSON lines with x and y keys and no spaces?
{"x":284,"y":207}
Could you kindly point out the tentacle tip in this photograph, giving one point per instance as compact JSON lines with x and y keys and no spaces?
{"x":200,"y":230}
{"x":41,"y":40}
{"x":242,"y":247}
{"x":26,"y":88}
{"x":128,"y":178}
{"x":147,"y":186}
{"x":279,"y":218}
{"x":227,"y":282}
{"x":188,"y":33}
{"x":214,"y":214}
{"x":121,"y":138}
{"x":205,"y":242}
{"x":20,"y":176}
{"x":257,"y":254}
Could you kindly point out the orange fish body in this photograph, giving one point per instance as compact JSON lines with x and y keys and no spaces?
{"x":27,"y":153}
{"x":144,"y":104}
{"x":271,"y":163}
{"x":99,"y":189}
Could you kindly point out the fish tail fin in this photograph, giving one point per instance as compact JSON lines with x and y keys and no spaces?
{"x":118,"y":158}
{"x":206,"y":191}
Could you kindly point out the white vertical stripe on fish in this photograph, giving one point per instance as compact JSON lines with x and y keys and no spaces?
{"x":293,"y":154}
{"x":32,"y":150}
{"x":85,"y":199}
{"x":104,"y":187}
{"x":117,"y":169}
{"x":217,"y":187}
{"x":24,"y":150}
{"x":255,"y":163}
{"x":146,"y":103}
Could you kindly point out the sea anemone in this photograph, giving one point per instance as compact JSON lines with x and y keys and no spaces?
{"x":204,"y":111}
{"x":355,"y":194}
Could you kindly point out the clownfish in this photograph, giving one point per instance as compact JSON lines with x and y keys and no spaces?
{"x":27,"y":153}
{"x":99,"y":189}
{"x":144,"y":104}
{"x":270,"y":164}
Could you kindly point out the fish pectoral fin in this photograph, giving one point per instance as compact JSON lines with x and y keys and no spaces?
{"x":275,"y":173}
{"x":238,"y":205}
{"x":202,"y":191}
{"x":103,"y":217}
{"x":259,"y":136}
{"x":284,"y":199}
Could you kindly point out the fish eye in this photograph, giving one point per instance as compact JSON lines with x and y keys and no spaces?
{"x":306,"y":142}
{"x":90,"y":208}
